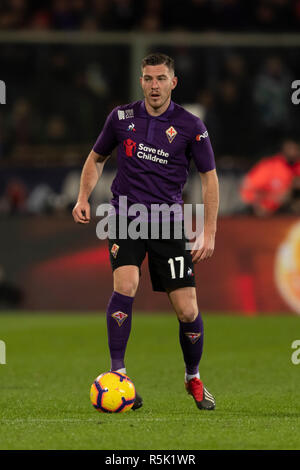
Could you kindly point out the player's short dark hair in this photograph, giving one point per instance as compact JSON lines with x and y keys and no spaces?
{"x":157,"y":58}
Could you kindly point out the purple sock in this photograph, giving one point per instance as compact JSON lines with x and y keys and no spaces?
{"x":191,"y":341}
{"x":118,"y":317}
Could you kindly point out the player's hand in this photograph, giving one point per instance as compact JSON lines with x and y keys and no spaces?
{"x":203,"y":249}
{"x":81,"y":213}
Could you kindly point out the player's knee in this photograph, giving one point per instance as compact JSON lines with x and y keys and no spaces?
{"x":188,"y":314}
{"x":126,"y":287}
{"x":186,"y":306}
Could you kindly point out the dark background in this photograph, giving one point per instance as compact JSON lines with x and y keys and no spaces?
{"x":67,"y":63}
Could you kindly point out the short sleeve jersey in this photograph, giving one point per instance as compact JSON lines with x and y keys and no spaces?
{"x":154,"y":153}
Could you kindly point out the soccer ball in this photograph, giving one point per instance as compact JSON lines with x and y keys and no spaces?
{"x":112,"y":392}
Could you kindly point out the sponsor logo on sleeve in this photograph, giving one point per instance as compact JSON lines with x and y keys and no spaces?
{"x":129,"y":113}
{"x":121,"y":114}
{"x":201,"y":136}
{"x":171,"y":134}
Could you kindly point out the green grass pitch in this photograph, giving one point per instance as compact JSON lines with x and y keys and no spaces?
{"x":52,"y":360}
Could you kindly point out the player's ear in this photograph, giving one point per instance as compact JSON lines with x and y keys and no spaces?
{"x":174,"y":82}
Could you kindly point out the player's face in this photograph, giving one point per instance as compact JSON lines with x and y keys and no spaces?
{"x":157,"y":83}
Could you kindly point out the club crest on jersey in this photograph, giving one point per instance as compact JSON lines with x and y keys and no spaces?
{"x":201,"y":136}
{"x":120,"y":317}
{"x":114,"y":250}
{"x":193,"y":337}
{"x":171,"y":134}
{"x":131,"y":127}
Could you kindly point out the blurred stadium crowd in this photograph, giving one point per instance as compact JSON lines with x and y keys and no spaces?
{"x":54,"y":117}
{"x":55,"y":111}
{"x":244,"y":97}
{"x":58,"y":96}
{"x":152,"y":15}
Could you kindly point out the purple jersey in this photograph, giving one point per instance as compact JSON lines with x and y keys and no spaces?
{"x":154,"y":153}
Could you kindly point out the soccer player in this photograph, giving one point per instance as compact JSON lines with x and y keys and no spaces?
{"x":156,"y":140}
{"x":273,"y":182}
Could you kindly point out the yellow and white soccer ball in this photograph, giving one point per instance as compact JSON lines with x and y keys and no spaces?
{"x":112,"y":392}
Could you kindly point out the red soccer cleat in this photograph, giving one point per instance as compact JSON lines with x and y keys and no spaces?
{"x":203,"y":399}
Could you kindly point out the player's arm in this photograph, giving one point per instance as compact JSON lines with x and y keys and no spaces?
{"x":91,"y":172}
{"x":210,"y":196}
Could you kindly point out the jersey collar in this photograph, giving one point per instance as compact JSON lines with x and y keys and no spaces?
{"x":162,"y":117}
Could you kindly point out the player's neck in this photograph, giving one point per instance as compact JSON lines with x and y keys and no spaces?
{"x":157,"y":111}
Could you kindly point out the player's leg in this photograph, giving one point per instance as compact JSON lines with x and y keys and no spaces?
{"x":184,"y":302}
{"x":172,"y":271}
{"x":126,"y":257}
{"x":119,"y":313}
{"x":118,"y":316}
